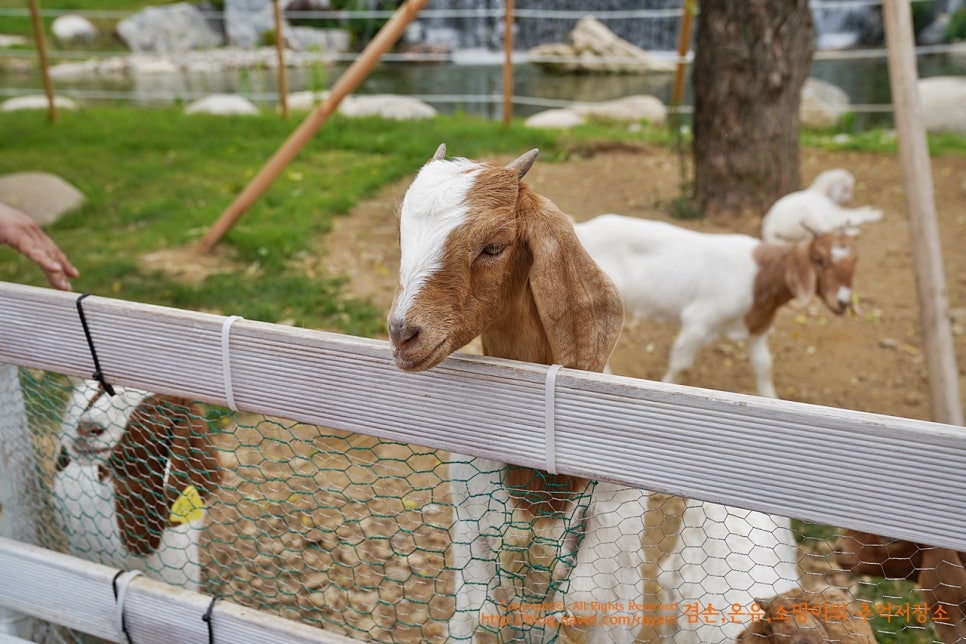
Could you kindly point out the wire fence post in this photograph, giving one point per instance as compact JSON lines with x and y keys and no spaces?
{"x":42,"y":55}
{"x":923,"y":228}
{"x":280,"y":50}
{"x":508,"y":64}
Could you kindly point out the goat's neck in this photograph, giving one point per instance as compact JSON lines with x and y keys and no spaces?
{"x":771,"y":289}
{"x":519,"y":335}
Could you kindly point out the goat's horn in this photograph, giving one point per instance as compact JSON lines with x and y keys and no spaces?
{"x":524,"y":162}
{"x":440,"y":152}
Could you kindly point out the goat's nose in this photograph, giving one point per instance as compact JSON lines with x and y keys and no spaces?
{"x":400,"y":332}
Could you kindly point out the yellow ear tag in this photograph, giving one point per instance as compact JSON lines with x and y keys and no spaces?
{"x":188,"y":506}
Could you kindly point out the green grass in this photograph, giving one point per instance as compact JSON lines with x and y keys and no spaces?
{"x":158,"y":179}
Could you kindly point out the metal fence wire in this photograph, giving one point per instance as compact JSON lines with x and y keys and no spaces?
{"x":352,"y":534}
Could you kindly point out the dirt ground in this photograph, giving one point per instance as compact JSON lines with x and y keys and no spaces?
{"x":872,"y":361}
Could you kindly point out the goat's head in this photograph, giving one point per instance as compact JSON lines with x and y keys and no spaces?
{"x":837,"y":184}
{"x":824,"y":264}
{"x":477,"y":248}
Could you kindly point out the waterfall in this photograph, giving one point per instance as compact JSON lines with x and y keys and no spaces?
{"x":838,"y":24}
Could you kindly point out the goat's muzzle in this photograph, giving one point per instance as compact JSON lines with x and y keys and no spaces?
{"x":412,"y":349}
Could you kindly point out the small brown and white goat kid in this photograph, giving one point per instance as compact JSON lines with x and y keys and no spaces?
{"x":483,"y":255}
{"x":711,"y":284}
{"x":134,"y":472}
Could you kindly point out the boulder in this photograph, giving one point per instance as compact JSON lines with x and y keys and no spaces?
{"x":168,"y":29}
{"x":223,"y":105}
{"x":943,"y":101}
{"x":72,"y":29}
{"x":388,"y":106}
{"x":327,"y":41}
{"x":598,"y":49}
{"x":823,"y":104}
{"x":629,"y":108}
{"x":557,"y":119}
{"x":44,"y":196}
{"x":36,"y":102}
{"x":246,"y":21}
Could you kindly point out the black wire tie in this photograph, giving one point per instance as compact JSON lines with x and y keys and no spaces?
{"x":206,"y":618}
{"x":98,"y":375}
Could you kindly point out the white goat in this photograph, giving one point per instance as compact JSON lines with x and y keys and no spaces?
{"x":711,"y":284}
{"x":482,"y":255}
{"x":817,"y":209}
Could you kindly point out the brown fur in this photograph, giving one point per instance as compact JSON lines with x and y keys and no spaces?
{"x":780,"y":622}
{"x":799,"y":271}
{"x":940,"y":573}
{"x":542,"y":299}
{"x":161,"y":428}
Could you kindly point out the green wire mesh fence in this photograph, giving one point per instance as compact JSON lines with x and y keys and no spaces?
{"x":352,"y":534}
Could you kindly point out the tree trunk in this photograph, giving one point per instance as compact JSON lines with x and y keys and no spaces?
{"x":752,"y":58}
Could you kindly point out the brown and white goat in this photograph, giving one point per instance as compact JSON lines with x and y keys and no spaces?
{"x":713,"y":284}
{"x":483,"y":255}
{"x":134,"y":471}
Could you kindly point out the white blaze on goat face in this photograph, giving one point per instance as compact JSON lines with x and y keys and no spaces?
{"x":840,"y":253}
{"x":434,"y":205}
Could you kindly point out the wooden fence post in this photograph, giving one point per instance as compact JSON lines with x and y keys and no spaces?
{"x":280,"y":50}
{"x":508,"y":63}
{"x":923,"y":228}
{"x":42,"y":54}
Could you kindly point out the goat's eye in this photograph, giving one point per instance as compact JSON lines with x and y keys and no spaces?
{"x":493,"y":250}
{"x":819,"y":261}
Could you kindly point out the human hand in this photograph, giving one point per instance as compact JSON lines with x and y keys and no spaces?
{"x":22,"y":233}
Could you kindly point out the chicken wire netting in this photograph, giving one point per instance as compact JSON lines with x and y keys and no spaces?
{"x":353,"y":534}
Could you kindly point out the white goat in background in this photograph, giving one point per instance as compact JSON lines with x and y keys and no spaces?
{"x":713,"y":284}
{"x":817,"y":209}
{"x":482,"y":255}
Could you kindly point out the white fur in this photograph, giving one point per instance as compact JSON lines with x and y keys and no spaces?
{"x":432,"y":208}
{"x":84,"y":504}
{"x":817,"y":209}
{"x":724,"y":555}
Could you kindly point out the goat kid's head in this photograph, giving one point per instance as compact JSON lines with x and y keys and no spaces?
{"x":475,"y":245}
{"x":824,"y":265}
{"x":837,"y":184}
{"x":152,"y":447}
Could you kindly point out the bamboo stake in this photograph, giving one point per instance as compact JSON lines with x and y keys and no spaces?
{"x":923,"y":228}
{"x":280,"y":50}
{"x":42,"y":54}
{"x":508,"y":64}
{"x":349,"y":80}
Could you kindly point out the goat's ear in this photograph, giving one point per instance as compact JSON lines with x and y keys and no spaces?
{"x":440,"y":153}
{"x":138,"y":463}
{"x":580,"y":309}
{"x":800,"y":275}
{"x":193,"y":458}
{"x":522,"y":164}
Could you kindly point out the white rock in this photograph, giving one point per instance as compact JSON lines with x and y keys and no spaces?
{"x":7,"y":40}
{"x":599,"y":49}
{"x":140,"y":65}
{"x":388,"y":106}
{"x":303,"y":101}
{"x":166,"y":29}
{"x":71,"y":28}
{"x":43,"y":196}
{"x":36,"y":102}
{"x":629,"y":108}
{"x":222,"y":104}
{"x":944,"y":103}
{"x":823,"y":104}
{"x":559,"y":119}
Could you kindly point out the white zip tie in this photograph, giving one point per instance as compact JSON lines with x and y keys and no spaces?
{"x":549,"y":422}
{"x":226,"y":360}
{"x":123,"y":581}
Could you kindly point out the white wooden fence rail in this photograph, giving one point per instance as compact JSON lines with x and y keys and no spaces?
{"x":78,"y":594}
{"x":893,"y":476}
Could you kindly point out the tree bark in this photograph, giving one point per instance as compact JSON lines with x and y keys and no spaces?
{"x":752,"y":58}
